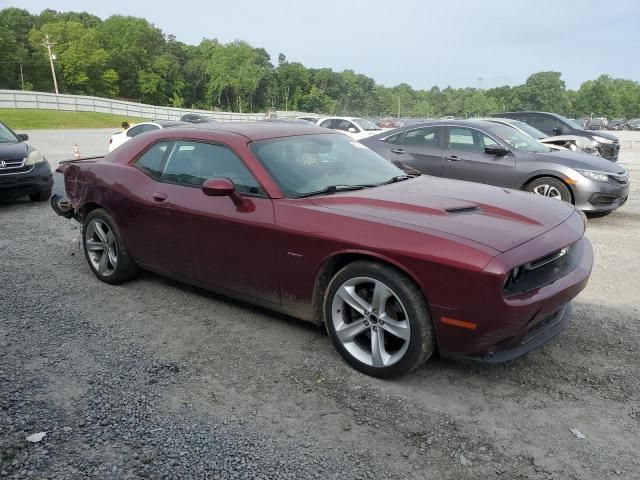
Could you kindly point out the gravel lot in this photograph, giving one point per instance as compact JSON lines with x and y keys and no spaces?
{"x":161,"y":380}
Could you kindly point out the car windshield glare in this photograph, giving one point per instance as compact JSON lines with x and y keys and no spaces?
{"x":518,"y":140}
{"x":366,"y":124}
{"x":6,"y":135}
{"x":304,"y":164}
{"x":529,"y":130}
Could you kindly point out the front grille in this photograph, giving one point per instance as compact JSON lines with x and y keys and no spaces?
{"x":10,"y":167}
{"x":545,"y":270}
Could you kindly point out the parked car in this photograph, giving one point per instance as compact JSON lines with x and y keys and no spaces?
{"x":355,"y":127}
{"x":553,"y":124}
{"x":597,"y":124}
{"x":616,"y":124}
{"x":634,"y":124}
{"x":119,"y":138}
{"x":310,"y":119}
{"x":497,"y":154}
{"x":557,"y":142}
{"x":23,"y":169}
{"x":196,"y":118}
{"x":311,"y":223}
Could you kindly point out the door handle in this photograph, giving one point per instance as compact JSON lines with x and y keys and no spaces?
{"x":397,"y":150}
{"x":454,"y":158}
{"x":159,"y":196}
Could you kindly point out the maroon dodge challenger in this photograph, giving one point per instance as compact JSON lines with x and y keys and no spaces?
{"x":313,"y":224}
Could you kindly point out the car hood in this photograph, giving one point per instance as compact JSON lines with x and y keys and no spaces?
{"x":581,"y":160}
{"x":499,"y":218}
{"x":13,"y":151}
{"x":602,"y":134}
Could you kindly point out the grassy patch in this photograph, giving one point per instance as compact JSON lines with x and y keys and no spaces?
{"x":22,"y":119}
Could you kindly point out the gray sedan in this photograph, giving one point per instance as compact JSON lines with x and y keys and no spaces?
{"x":497,"y":154}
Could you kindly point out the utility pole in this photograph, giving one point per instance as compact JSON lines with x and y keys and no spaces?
{"x":286,"y":98}
{"x":21,"y":77}
{"x":398,"y":107}
{"x":50,"y":44}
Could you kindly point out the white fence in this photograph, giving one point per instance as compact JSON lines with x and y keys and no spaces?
{"x":81,"y":103}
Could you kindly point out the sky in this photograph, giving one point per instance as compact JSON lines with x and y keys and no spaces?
{"x":461,"y":43}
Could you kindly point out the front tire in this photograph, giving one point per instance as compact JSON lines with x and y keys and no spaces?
{"x":550,"y":187}
{"x":378,"y":320}
{"x":105,"y":250}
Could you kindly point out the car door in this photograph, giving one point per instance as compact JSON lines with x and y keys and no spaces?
{"x":159,"y":228}
{"x":419,"y":149}
{"x":466,"y":159}
{"x":233,"y":238}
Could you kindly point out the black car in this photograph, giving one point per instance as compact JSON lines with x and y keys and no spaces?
{"x":23,"y":169}
{"x":634,"y":124}
{"x":195,"y":118}
{"x":616,"y":124}
{"x":553,"y":124}
{"x":596,"y":124}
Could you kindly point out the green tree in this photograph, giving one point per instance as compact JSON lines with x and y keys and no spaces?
{"x":543,"y":91}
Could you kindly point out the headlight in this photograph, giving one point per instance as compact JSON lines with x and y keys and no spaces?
{"x":34,"y":157}
{"x":600,"y":139}
{"x":593,"y":175}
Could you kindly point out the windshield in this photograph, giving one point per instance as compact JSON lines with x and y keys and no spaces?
{"x":6,"y":135}
{"x":529,"y":130}
{"x":366,"y":124}
{"x":310,"y":163}
{"x":571,"y":123}
{"x":516,"y":139}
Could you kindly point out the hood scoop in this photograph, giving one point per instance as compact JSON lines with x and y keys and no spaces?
{"x":462,"y":210}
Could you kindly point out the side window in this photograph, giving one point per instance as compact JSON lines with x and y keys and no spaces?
{"x":422,"y":137}
{"x":544,"y":122}
{"x":342,"y":125}
{"x":352,"y":126}
{"x":151,"y":161}
{"x":327,"y":124}
{"x":487,"y":141}
{"x":191,"y":163}
{"x":463,"y":139}
{"x":393,"y":138}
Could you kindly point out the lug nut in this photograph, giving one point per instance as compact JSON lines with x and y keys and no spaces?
{"x":375,"y":329}
{"x":381,"y":322}
{"x":375,"y":311}
{"x":366,"y":324}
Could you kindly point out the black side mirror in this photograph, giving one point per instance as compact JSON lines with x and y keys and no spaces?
{"x":557,"y":130}
{"x":497,"y":150}
{"x":23,"y":137}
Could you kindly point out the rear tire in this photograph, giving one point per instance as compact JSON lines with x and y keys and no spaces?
{"x":550,"y":187}
{"x":40,"y":195}
{"x":105,"y":250}
{"x":378,"y":319}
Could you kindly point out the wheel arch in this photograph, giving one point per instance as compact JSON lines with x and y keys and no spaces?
{"x":555,"y":176}
{"x":336,"y":261}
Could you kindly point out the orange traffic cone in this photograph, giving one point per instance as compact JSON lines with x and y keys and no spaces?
{"x":76,"y":152}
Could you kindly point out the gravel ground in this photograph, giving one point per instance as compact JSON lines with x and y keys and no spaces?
{"x":155,"y":379}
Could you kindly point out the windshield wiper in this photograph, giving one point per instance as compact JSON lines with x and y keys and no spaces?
{"x":399,"y":178}
{"x":333,"y":189}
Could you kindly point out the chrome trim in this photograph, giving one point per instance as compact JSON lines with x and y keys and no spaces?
{"x":546,"y":260}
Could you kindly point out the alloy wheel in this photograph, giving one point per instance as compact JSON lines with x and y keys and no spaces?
{"x":101,"y":247}
{"x":548,"y":191}
{"x":371,"y":322}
